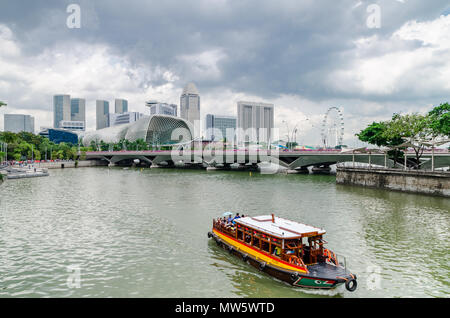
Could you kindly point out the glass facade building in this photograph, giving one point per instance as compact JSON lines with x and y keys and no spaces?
{"x":219,"y":128}
{"x":78,"y":110}
{"x":102,"y":114}
{"x":60,"y":135}
{"x":61,"y":109}
{"x":121,"y":106}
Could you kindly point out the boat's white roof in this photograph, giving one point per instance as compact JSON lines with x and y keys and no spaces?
{"x":281,"y":227}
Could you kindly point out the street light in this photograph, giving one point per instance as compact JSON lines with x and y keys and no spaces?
{"x":287,"y":126}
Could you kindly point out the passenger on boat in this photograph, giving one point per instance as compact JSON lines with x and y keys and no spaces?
{"x":277,"y":251}
{"x":236,"y":217}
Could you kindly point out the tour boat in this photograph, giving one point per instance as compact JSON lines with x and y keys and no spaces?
{"x":290,"y":251}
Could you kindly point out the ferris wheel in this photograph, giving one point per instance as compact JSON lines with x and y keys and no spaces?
{"x":333,"y":126}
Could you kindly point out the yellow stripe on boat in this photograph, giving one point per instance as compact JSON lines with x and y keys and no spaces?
{"x":258,"y":255}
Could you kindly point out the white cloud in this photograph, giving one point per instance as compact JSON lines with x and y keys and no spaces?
{"x":82,"y":70}
{"x":421,"y":70}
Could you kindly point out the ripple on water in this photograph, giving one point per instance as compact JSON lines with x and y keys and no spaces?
{"x":143,"y":234}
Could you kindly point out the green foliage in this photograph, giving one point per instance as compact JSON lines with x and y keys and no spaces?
{"x":27,"y":146}
{"x":406,"y":127}
{"x":440,"y":120}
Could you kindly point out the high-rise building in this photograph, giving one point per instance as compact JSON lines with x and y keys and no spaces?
{"x":157,"y":108}
{"x":125,"y":118}
{"x":102,"y":114}
{"x":72,"y":125}
{"x":61,"y":109}
{"x":121,"y":106}
{"x":190,"y":103}
{"x":78,"y":110}
{"x":219,"y":128}
{"x":251,"y":118}
{"x":17,"y":123}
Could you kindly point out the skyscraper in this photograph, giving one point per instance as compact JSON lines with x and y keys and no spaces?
{"x":61,"y":109}
{"x":124,"y":118}
{"x":157,"y":108}
{"x":220,"y":127}
{"x":190,"y":103}
{"x":255,"y":116}
{"x":121,"y":106}
{"x":102,"y":114}
{"x":78,"y":110}
{"x":17,"y":123}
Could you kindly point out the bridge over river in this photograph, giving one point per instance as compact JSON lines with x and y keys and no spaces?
{"x":292,"y":160}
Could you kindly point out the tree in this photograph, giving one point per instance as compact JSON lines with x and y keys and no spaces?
{"x":411,"y":127}
{"x":2,"y":103}
{"x":376,"y":134}
{"x":439,"y":120}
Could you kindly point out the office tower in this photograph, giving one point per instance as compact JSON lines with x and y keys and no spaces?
{"x":102,"y":114}
{"x":61,"y":109}
{"x":121,"y":106}
{"x":157,"y":108}
{"x":251,"y":118}
{"x":72,"y":125}
{"x":78,"y":110}
{"x":190,"y":103}
{"x":17,"y":123}
{"x":125,"y":118}
{"x":219,"y":128}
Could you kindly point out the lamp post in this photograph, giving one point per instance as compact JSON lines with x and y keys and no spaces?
{"x":287,"y":126}
{"x":294,"y":131}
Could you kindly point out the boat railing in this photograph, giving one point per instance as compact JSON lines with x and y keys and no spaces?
{"x":224,"y":228}
{"x":341,"y":260}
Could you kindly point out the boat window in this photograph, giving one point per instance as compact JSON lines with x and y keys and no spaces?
{"x":240,"y":235}
{"x":256,"y":242}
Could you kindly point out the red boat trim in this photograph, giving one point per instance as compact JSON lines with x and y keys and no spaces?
{"x":265,"y":254}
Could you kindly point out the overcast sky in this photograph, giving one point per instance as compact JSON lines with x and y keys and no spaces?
{"x":303,"y":56}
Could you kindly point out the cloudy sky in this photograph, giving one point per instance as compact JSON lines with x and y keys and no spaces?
{"x":303,"y":56}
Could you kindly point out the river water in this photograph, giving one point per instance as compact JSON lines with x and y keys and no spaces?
{"x":109,"y":232}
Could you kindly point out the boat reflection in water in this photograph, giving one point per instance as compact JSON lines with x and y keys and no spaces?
{"x":287,"y":250}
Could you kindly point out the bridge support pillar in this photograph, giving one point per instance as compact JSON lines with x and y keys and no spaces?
{"x":300,"y":170}
{"x":322,"y":169}
{"x":225,"y":166}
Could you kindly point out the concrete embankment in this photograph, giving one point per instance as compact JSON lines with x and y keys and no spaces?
{"x":71,"y":164}
{"x":433,"y":183}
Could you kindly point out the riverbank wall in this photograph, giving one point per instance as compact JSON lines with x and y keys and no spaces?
{"x":71,"y":164}
{"x":424,"y":182}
